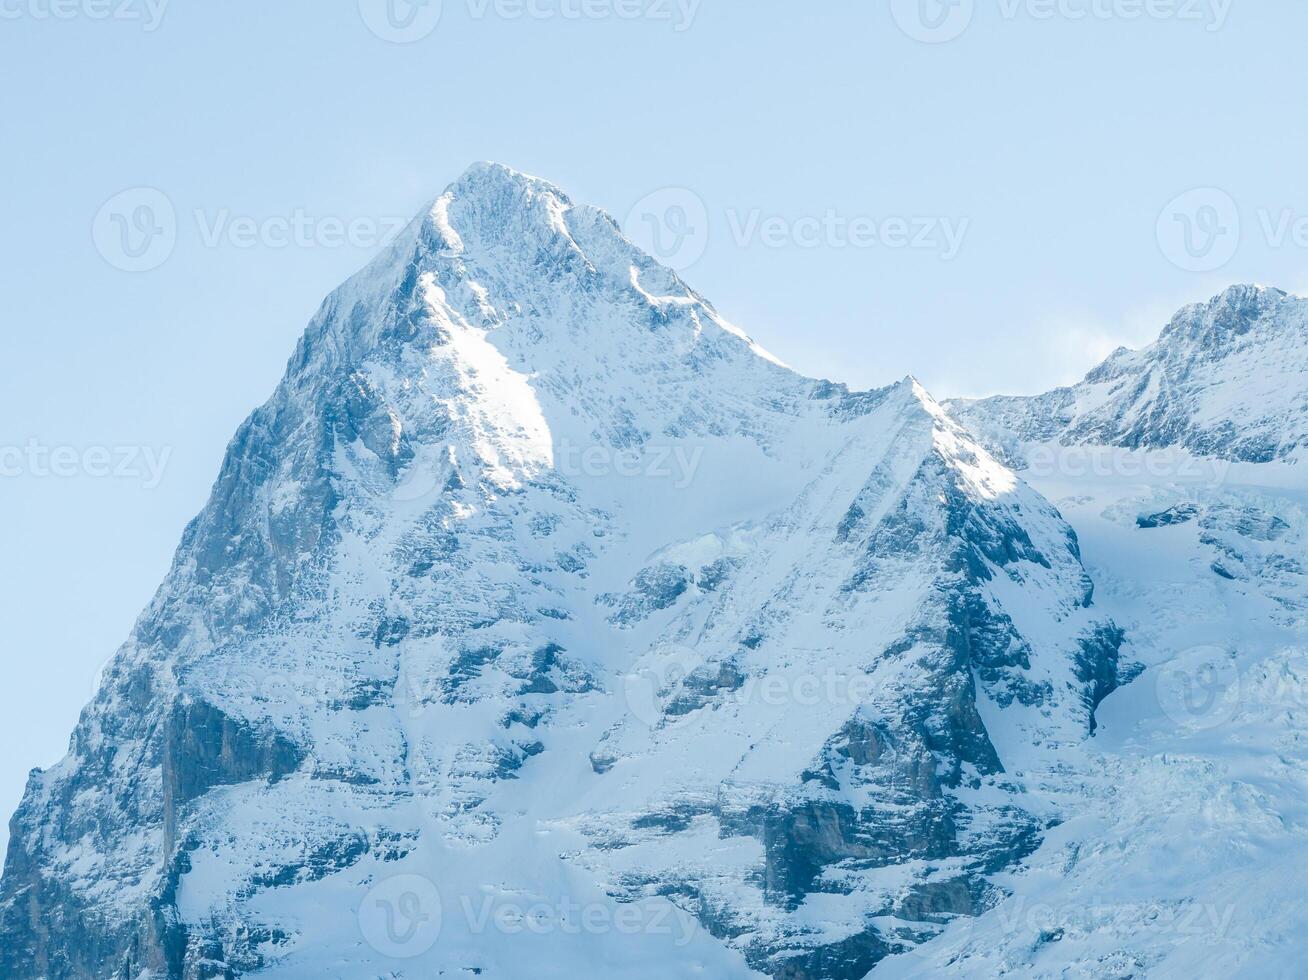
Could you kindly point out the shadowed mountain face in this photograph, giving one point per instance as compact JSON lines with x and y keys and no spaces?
{"x":538,"y":585}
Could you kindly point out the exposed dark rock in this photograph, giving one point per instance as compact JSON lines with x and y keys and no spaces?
{"x":1180,"y":514}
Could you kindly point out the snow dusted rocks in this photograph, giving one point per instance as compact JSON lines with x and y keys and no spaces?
{"x":541,"y":624}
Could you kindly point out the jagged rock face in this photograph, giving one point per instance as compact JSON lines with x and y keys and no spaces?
{"x":537,"y":578}
{"x":1226,"y":379}
{"x":1180,"y":467}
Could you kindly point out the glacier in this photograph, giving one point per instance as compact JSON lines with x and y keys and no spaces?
{"x":543,"y":624}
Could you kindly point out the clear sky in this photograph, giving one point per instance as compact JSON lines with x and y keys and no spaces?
{"x":989,"y":194}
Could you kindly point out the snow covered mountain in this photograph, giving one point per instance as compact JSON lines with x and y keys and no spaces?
{"x":1180,"y":469}
{"x":543,"y":625}
{"x":1227,"y":379}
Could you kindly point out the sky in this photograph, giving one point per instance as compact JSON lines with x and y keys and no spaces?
{"x":988,"y":194}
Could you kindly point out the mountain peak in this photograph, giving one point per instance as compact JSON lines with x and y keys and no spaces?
{"x":1245,"y":294}
{"x":1231,"y":312}
{"x":502,"y":250}
{"x":1225,"y":378}
{"x":914,"y":392}
{"x":492,"y":205}
{"x":491,"y":181}
{"x":526,"y":522}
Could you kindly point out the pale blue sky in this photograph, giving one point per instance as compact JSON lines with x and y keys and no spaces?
{"x":1049,"y":144}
